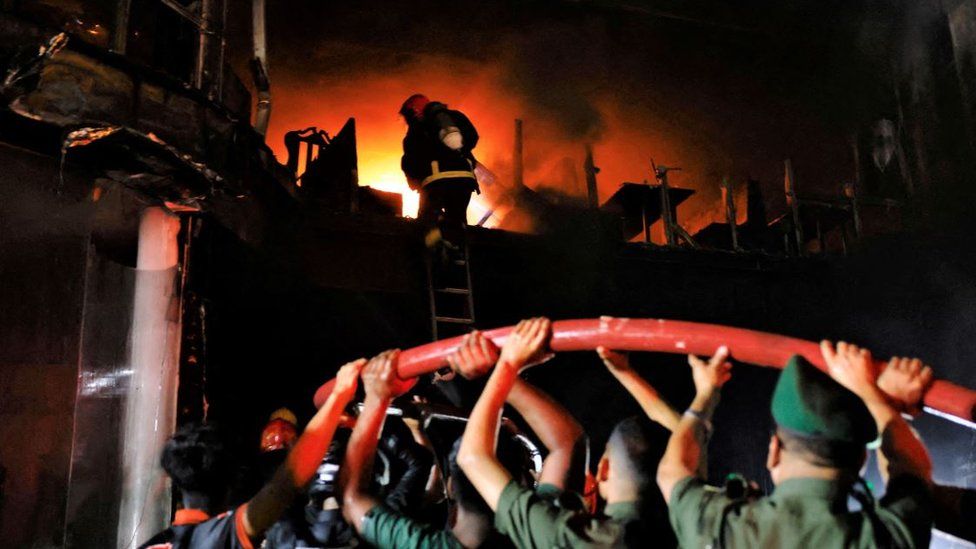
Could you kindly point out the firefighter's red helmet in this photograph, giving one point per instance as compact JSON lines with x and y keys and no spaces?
{"x":281,"y":431}
{"x":414,"y":105}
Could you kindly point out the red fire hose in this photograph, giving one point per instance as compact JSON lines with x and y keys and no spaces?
{"x":674,"y":336}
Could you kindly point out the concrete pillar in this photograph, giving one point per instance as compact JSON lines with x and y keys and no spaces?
{"x":150,"y":412}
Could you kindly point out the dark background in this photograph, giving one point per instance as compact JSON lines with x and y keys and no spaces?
{"x":735,"y":90}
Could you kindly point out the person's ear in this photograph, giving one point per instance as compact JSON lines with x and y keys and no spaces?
{"x":774,"y":455}
{"x":603,"y":469}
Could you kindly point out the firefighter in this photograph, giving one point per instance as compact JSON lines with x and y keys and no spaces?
{"x":438,"y":163}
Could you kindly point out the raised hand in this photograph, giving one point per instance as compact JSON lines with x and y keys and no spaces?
{"x":852,"y":367}
{"x":347,"y":379}
{"x":475,"y":356}
{"x":527,"y":343}
{"x":905,"y":381}
{"x":710,"y":376}
{"x":646,"y":395}
{"x":615,"y":361}
{"x":380,"y":378}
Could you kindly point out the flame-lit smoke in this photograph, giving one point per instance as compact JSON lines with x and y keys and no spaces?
{"x":715,"y":100}
{"x":554,"y":133}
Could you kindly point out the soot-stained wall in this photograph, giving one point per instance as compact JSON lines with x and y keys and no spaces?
{"x":43,"y":249}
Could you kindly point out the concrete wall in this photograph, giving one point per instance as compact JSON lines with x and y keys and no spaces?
{"x":43,"y":248}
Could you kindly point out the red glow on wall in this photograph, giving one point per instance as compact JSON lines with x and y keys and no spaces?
{"x":552,"y":159}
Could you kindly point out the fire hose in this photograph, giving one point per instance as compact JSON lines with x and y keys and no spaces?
{"x":943,"y":398}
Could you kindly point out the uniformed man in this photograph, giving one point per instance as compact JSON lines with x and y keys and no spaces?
{"x":823,"y":423}
{"x":198,"y":465}
{"x":438,"y":162}
{"x":531,"y":519}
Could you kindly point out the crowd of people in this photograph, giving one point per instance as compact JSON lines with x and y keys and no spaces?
{"x":374,"y":478}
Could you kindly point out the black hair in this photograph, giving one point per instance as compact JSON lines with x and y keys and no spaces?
{"x":822,"y":452}
{"x":632,"y":449}
{"x":513,"y":457}
{"x":197,"y":458}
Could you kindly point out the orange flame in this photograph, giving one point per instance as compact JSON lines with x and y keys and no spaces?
{"x":550,"y":158}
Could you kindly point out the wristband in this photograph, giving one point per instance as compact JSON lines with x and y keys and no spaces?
{"x":706,"y":423}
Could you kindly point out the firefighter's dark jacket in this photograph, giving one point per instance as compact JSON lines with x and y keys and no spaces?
{"x":426,"y":158}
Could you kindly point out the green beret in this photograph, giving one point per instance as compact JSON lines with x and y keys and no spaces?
{"x":809,"y":403}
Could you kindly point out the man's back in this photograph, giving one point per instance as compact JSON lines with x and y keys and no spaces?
{"x":193,"y":529}
{"x":803,"y":512}
{"x":423,"y":146}
{"x":536,"y":519}
{"x":384,"y":528}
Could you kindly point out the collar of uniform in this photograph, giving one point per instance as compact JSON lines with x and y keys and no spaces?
{"x":812,"y":488}
{"x":622,"y":511}
{"x":190,"y":516}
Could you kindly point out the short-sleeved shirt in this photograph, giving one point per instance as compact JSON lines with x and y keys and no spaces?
{"x":533,"y":520}
{"x":384,"y":528}
{"x":194,"y":529}
{"x":802,"y":512}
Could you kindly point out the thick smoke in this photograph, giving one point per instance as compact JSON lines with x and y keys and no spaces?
{"x":559,"y":72}
{"x":716,"y":99}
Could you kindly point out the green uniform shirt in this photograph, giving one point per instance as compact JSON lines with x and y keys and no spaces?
{"x":803,"y":512}
{"x":535,"y":520}
{"x":385,"y":528}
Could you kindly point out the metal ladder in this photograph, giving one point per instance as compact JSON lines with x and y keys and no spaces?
{"x":451,"y":299}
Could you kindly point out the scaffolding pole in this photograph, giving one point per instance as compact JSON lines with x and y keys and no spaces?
{"x":789,"y":181}
{"x":730,"y":213}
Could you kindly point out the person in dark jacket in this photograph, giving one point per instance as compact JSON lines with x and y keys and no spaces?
{"x":198,"y":463}
{"x":438,"y":162}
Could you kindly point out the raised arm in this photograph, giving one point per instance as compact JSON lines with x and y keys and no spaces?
{"x":683,"y":456}
{"x":905,"y":381}
{"x":901,"y":450}
{"x":476,"y":456}
{"x":558,"y":431}
{"x":290,"y":479}
{"x":434,"y":490}
{"x":650,"y":401}
{"x":382,"y":385}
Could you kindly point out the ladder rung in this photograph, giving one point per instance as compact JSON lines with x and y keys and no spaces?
{"x":456,"y":291}
{"x":453,"y":320}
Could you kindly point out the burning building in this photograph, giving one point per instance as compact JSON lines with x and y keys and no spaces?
{"x":202,"y":211}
